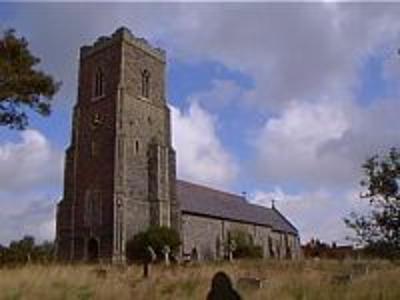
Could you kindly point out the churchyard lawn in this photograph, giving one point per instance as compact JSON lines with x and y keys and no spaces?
{"x":309,"y":280}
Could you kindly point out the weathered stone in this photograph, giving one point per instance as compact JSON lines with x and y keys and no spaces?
{"x":120,"y":167}
{"x":253,"y":283}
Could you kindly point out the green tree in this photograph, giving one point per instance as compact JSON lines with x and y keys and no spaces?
{"x":157,"y":237}
{"x":379,"y":229}
{"x":22,"y":86}
{"x":244,"y":245}
{"x":26,"y":251}
{"x":21,"y":251}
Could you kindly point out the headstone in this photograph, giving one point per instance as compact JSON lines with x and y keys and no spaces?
{"x":251,"y":283}
{"x":231,"y":249}
{"x":166,"y":251}
{"x":150,"y":258}
{"x":152,"y":254}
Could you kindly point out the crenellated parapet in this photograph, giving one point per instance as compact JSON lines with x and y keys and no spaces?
{"x":126,"y":35}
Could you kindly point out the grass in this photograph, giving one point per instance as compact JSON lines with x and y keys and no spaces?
{"x":303,"y":280}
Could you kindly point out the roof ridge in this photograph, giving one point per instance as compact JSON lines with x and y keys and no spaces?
{"x":259,"y":205}
{"x":212,"y":189}
{"x":285,"y":219}
{"x":200,"y":199}
{"x":278,"y":212}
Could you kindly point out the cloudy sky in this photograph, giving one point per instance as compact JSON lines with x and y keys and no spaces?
{"x":281,"y":101}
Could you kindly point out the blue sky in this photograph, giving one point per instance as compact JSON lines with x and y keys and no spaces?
{"x":282,"y":101}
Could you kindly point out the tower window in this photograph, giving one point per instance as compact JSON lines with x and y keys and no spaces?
{"x":145,"y":84}
{"x":99,"y":83}
{"x":137,"y":146}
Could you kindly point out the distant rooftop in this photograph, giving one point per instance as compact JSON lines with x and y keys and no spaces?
{"x":201,"y":200}
{"x":123,"y":33}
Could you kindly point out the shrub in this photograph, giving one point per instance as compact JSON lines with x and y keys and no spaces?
{"x":157,"y":237}
{"x":24,"y":251}
{"x":245,"y":246}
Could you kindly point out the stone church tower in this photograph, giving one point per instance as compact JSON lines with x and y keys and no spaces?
{"x":120,"y":166}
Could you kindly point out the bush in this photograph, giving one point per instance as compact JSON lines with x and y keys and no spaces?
{"x":157,"y":237}
{"x":245,"y":247}
{"x":25,"y":251}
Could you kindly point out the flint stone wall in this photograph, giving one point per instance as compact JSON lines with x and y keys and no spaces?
{"x":209,"y":235}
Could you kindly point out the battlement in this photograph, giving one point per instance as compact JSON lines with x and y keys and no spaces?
{"x":124,"y":34}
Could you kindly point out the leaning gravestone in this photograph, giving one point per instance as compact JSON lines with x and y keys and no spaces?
{"x":150,"y":257}
{"x":231,"y":249}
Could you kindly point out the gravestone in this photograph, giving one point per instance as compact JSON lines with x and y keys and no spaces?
{"x":231,"y":249}
{"x":253,"y":283}
{"x":166,"y":251}
{"x":149,"y":259}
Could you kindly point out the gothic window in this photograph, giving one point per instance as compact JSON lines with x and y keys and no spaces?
{"x":145,"y":84}
{"x":99,"y":83}
{"x":92,"y":208}
{"x":137,"y":146}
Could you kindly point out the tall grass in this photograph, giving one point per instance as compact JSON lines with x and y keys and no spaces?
{"x":283,"y":280}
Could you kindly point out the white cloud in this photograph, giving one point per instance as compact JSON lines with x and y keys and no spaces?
{"x":291,"y":50}
{"x":36,"y":219}
{"x":324,"y":143}
{"x":200,"y":155}
{"x":289,"y":145}
{"x":30,"y":162}
{"x":316,"y":214}
{"x":222,"y":93}
{"x":30,"y":182}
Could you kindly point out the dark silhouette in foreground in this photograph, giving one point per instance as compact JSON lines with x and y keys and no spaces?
{"x":221,"y":288}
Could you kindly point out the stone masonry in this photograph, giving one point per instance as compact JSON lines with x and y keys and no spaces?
{"x":120,"y":166}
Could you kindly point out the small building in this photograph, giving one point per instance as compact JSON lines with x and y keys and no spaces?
{"x":120,"y":170}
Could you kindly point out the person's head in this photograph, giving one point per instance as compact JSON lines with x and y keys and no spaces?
{"x":221,"y":281}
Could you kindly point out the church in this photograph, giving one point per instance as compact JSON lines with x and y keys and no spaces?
{"x":120,"y":167}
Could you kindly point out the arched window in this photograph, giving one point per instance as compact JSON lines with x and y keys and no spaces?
{"x":137,"y":146}
{"x":99,"y":83}
{"x":145,"y":84}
